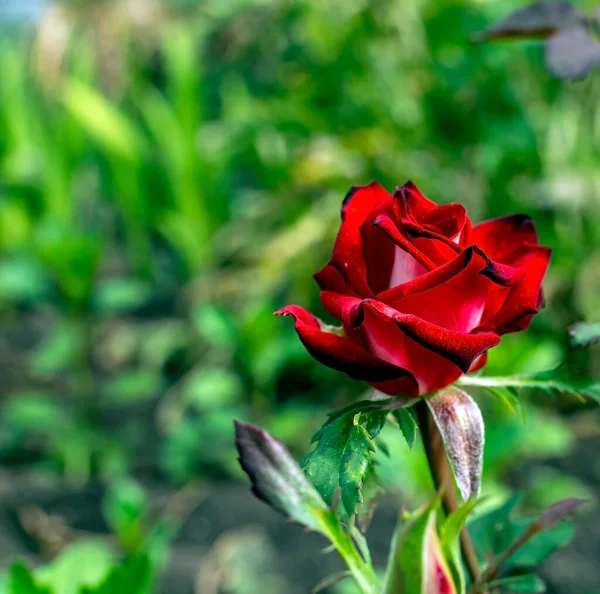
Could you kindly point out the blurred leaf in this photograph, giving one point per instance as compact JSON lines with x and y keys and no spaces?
{"x":84,"y":563}
{"x":212,"y":388}
{"x":277,"y":479}
{"x":121,"y":295}
{"x":572,"y":53}
{"x":584,"y":334}
{"x":486,"y":530}
{"x":496,"y":530}
{"x":22,"y":280}
{"x":58,"y":351}
{"x":539,"y":19}
{"x":125,"y":506}
{"x":134,"y":576}
{"x":509,"y":398}
{"x":524,"y":584}
{"x":214,"y":325}
{"x":21,"y":581}
{"x":134,"y":386}
{"x":36,"y":412}
{"x":108,"y":126}
{"x":407,"y":424}
{"x":460,"y":423}
{"x":331,"y":580}
{"x":74,"y":261}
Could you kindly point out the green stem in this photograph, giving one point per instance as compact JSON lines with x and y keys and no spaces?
{"x":361,"y":570}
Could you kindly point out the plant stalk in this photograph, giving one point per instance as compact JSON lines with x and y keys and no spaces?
{"x":443,"y":480}
{"x":361,"y":570}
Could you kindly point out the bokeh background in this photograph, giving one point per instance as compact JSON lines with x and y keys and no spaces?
{"x":171,"y":172}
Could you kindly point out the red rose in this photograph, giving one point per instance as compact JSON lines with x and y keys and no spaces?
{"x":420,"y":293}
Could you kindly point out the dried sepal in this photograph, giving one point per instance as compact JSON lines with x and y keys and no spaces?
{"x":460,"y":423}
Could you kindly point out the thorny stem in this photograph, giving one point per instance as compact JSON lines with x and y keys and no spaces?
{"x":444,"y":481}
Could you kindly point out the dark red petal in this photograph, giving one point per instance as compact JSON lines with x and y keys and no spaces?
{"x":341,"y":307}
{"x":457,"y":303}
{"x":405,"y":386}
{"x":525,"y":298}
{"x":478,"y":363}
{"x":409,"y":199}
{"x":434,"y":355}
{"x":498,"y":274}
{"x":349,"y":252}
{"x":338,"y":352}
{"x":330,"y":278}
{"x":380,"y":253}
{"x":409,"y":262}
{"x":417,"y":231}
{"x":500,"y":238}
{"x":403,"y":341}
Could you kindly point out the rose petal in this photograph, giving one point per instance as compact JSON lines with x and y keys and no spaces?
{"x":525,"y":298}
{"x":330,"y":278}
{"x":409,"y":262}
{"x":457,"y":302}
{"x":500,"y":238}
{"x":338,"y":352}
{"x":434,"y":355}
{"x":349,"y":252}
{"x":408,"y":198}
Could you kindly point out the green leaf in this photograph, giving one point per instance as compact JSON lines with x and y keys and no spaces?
{"x":356,"y":459}
{"x":331,"y":580}
{"x":121,"y":295}
{"x":584,"y":334}
{"x":450,"y":540}
{"x":134,"y":576}
{"x":102,"y":120}
{"x":125,"y":507}
{"x":21,"y":581}
{"x":487,"y":530}
{"x":528,"y":583}
{"x":408,"y":425}
{"x":371,"y":490}
{"x":509,"y":398}
{"x":565,"y":379}
{"x":495,"y":531}
{"x":342,"y":456}
{"x":84,"y":563}
{"x":133,"y":387}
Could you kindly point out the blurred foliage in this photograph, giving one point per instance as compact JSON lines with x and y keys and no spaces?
{"x":169,"y":177}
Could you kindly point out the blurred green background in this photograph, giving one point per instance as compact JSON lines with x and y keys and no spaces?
{"x":171,"y":173}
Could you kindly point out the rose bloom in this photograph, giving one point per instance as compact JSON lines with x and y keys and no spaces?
{"x":420,"y":293}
